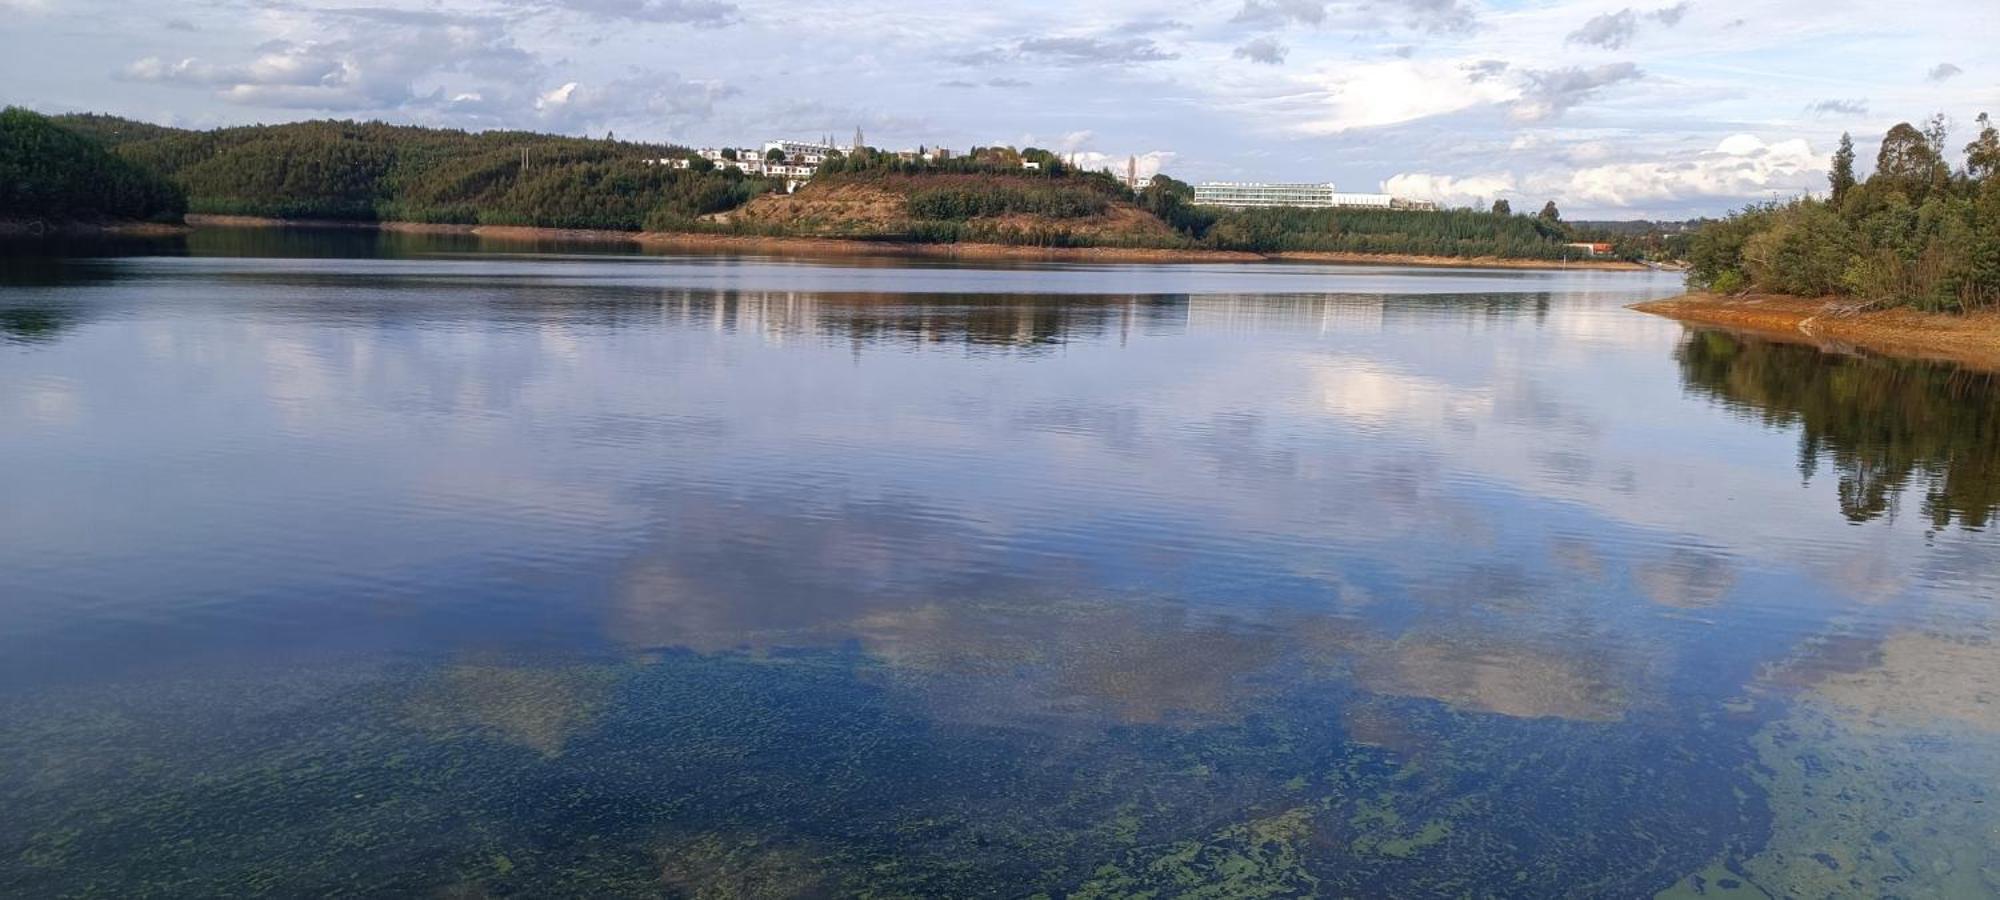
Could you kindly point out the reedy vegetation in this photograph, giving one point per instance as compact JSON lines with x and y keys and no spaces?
{"x":1915,"y":233}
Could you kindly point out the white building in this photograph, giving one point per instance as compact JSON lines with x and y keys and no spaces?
{"x":1321,"y":195}
{"x":810,"y":153}
{"x":1247,"y":194}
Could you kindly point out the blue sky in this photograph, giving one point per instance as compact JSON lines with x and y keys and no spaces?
{"x":1611,"y":109}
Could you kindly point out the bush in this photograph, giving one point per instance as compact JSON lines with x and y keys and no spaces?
{"x":1913,"y":234}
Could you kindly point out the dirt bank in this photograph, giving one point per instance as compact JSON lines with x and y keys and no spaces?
{"x":813,"y":246}
{"x":1836,"y":324}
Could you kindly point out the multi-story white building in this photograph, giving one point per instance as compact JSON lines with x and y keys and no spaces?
{"x":1246,"y":194}
{"x":1322,"y":195}
{"x":807,"y":152}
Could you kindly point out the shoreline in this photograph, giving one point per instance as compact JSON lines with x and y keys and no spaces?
{"x":1829,"y":323}
{"x":32,"y":229}
{"x":829,"y":246}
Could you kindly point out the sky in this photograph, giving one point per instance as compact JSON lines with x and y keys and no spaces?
{"x":1613,"y":110}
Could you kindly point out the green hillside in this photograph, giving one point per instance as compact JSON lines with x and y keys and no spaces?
{"x":364,"y":172}
{"x":51,"y":173}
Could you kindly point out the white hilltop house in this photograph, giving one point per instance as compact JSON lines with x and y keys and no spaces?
{"x":802,"y":159}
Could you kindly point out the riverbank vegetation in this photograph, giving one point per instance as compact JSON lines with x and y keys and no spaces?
{"x":373,"y":172}
{"x":53,"y":175}
{"x":1915,"y":233}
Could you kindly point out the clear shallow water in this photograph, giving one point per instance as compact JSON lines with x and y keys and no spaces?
{"x":330,"y":564}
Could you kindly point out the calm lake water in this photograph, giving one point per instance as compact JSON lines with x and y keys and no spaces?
{"x":334,"y":564}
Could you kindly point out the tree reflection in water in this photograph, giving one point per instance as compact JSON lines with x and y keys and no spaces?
{"x":1885,"y":425}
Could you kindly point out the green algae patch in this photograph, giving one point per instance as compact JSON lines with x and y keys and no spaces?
{"x":1259,"y":858}
{"x":1433,"y":832}
{"x":1384,"y":833}
{"x":1716,"y":880}
{"x":1873,"y":811}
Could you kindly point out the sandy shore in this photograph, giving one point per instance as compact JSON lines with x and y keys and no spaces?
{"x":1833,"y":324}
{"x":811,"y":246}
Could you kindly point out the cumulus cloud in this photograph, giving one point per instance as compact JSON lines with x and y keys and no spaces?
{"x":1614,"y":30}
{"x":1266,"y":50}
{"x":1740,"y":167}
{"x":1838,"y":108}
{"x":1549,"y":93}
{"x":1944,"y":72}
{"x":1450,"y":190}
{"x":432,"y":66}
{"x":370,"y":59}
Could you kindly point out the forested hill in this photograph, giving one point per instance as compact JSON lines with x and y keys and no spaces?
{"x":53,"y":174}
{"x":351,"y":171}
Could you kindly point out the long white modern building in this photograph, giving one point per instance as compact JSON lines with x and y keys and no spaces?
{"x":1321,"y":195}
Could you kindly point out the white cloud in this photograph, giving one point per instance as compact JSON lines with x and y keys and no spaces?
{"x":1740,"y":167}
{"x":1150,"y":163}
{"x":1449,"y":190}
{"x":1391,"y":92}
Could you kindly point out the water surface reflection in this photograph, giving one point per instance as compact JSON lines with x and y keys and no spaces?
{"x":431,"y":571}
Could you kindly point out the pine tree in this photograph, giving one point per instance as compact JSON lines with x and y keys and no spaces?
{"x":1550,"y":213}
{"x":1502,"y":208}
{"x":1841,"y":177}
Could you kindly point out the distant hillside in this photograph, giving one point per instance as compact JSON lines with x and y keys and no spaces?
{"x":1062,"y":210}
{"x":351,"y":171}
{"x":53,"y":174}
{"x":374,"y":172}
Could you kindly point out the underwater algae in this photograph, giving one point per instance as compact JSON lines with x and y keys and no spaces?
{"x":829,"y":773}
{"x":1882,"y":773}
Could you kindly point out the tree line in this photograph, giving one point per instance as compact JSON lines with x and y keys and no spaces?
{"x":370,"y":171}
{"x":1915,"y":233}
{"x":50,"y":173}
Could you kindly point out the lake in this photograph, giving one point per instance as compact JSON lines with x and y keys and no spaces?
{"x":343,"y":564}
